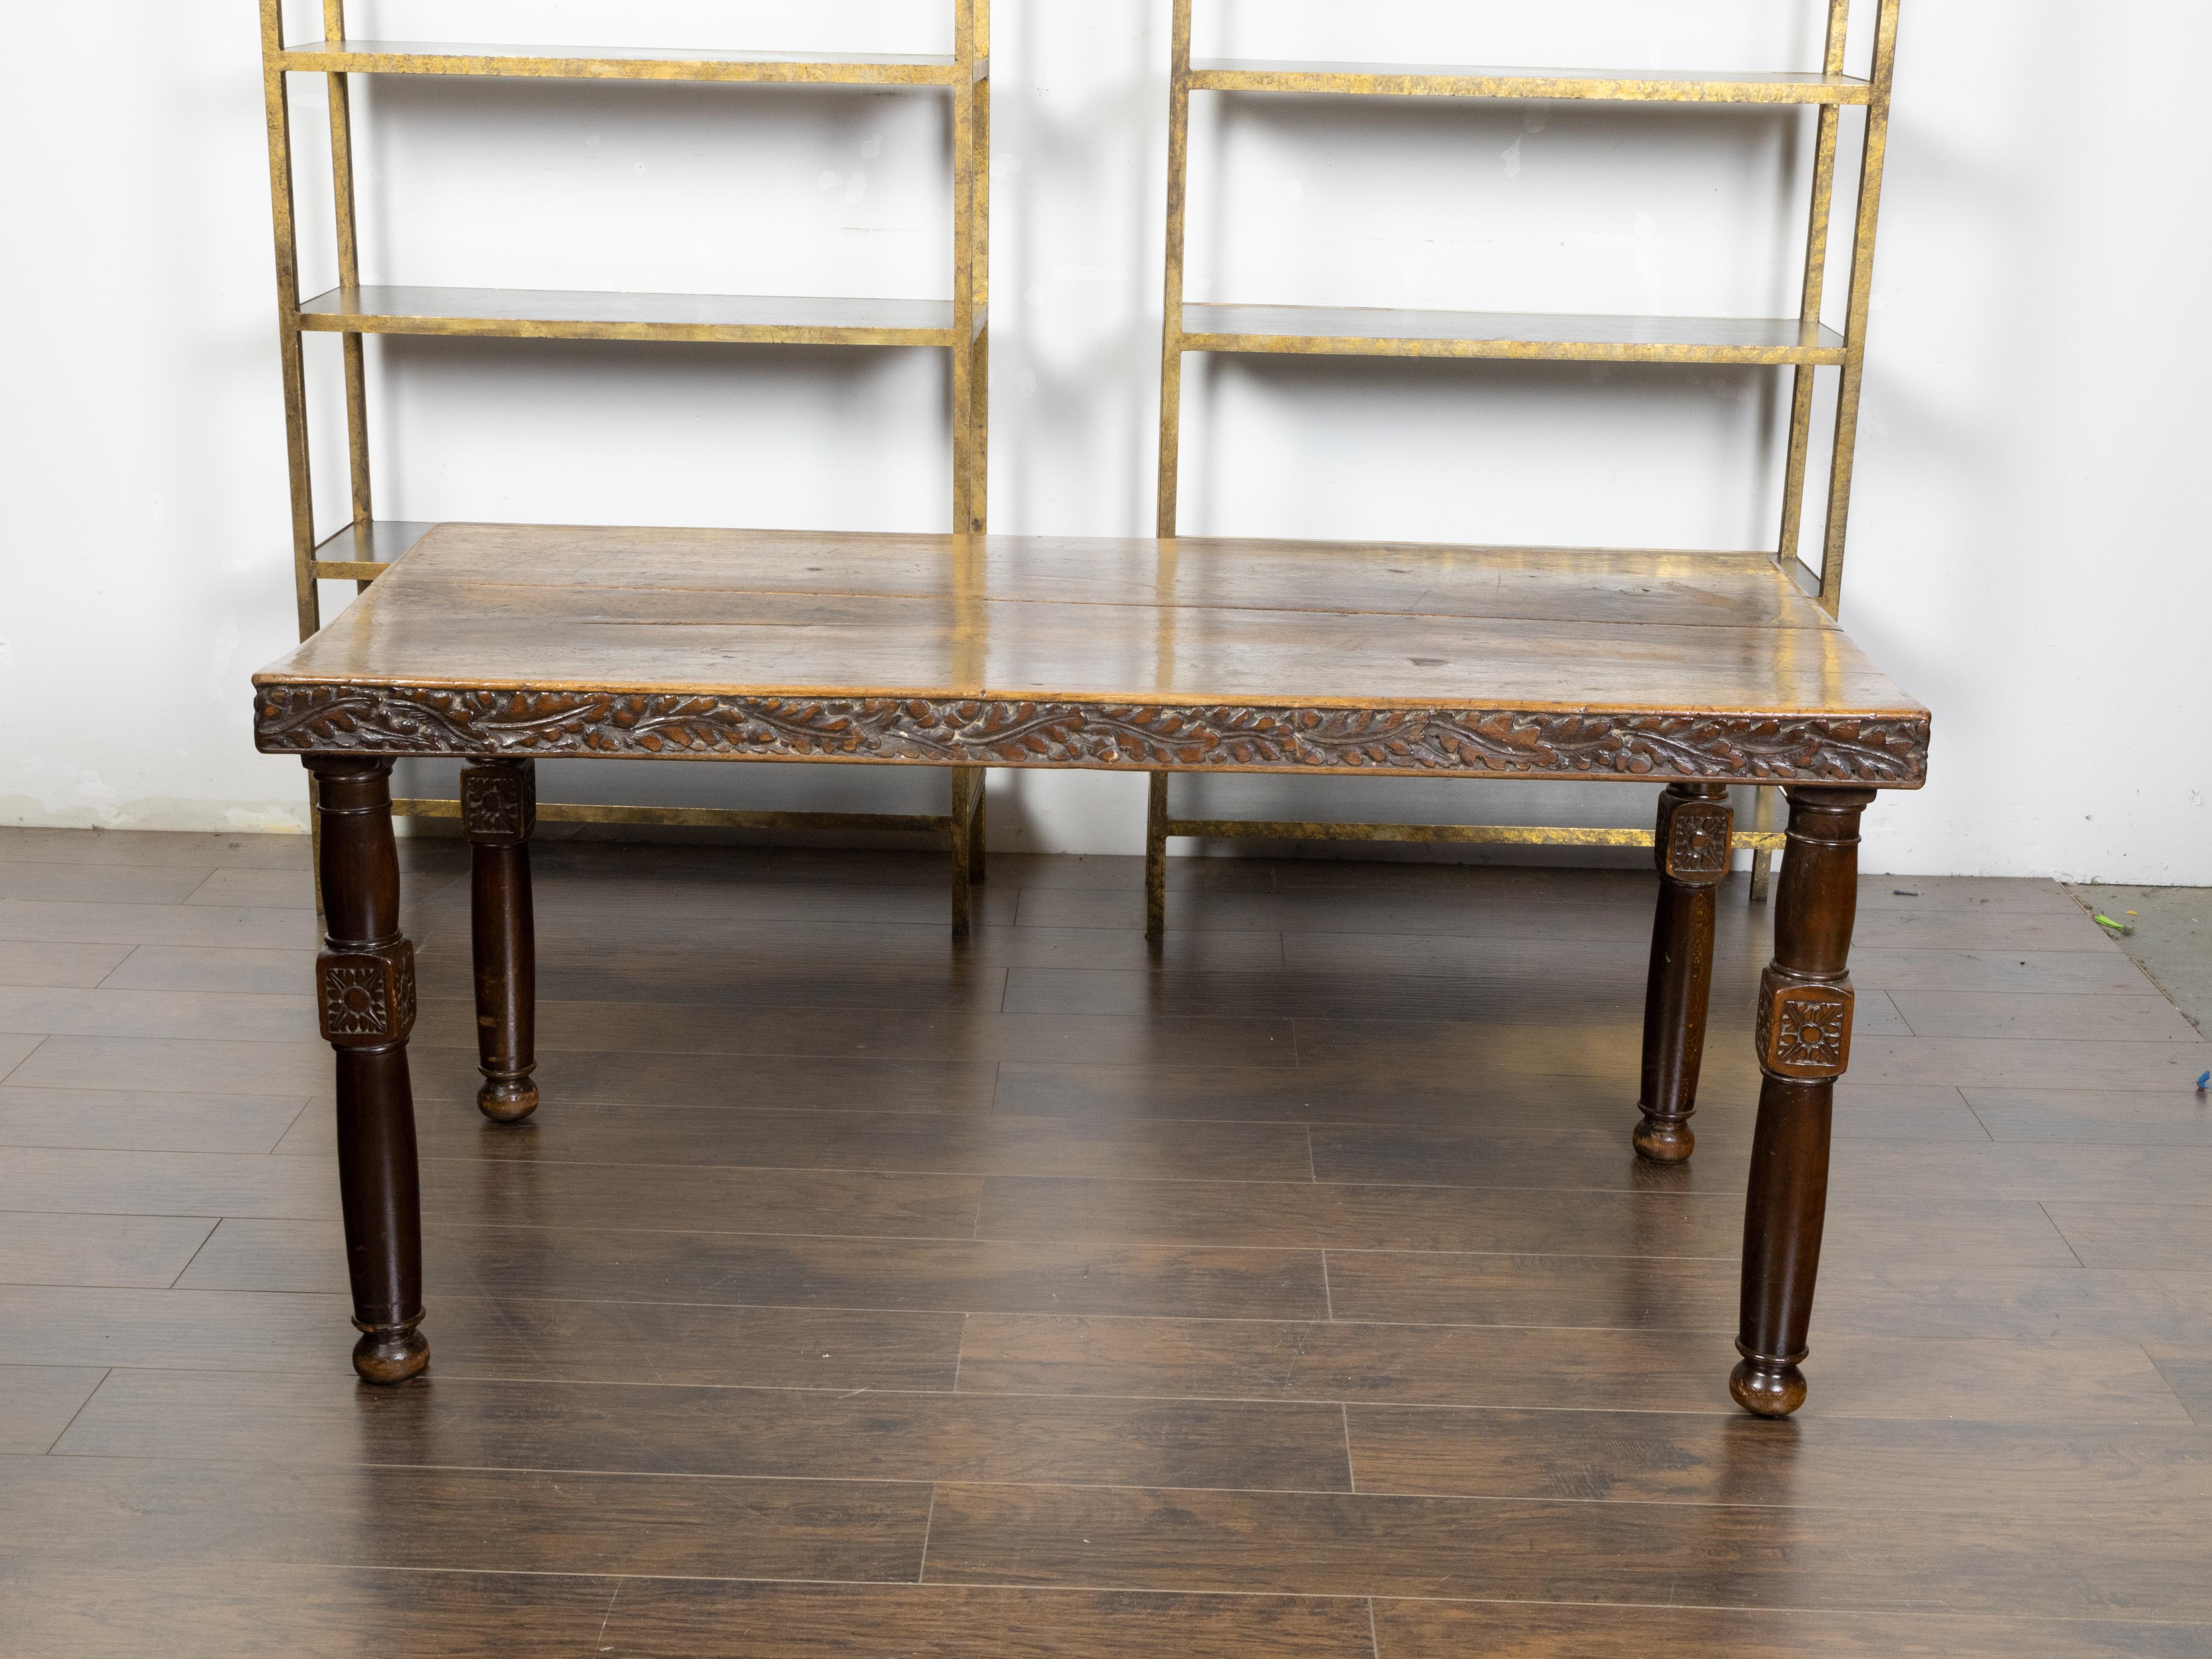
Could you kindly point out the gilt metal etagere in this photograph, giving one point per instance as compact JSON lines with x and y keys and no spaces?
{"x":366,"y":545}
{"x":1801,"y":343}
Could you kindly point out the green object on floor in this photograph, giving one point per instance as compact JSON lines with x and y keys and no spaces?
{"x":2119,"y":927}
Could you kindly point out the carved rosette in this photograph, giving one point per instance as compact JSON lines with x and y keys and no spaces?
{"x":1804,"y":1030}
{"x":327,"y":718}
{"x":1693,"y":842}
{"x":367,"y":995}
{"x":499,"y":802}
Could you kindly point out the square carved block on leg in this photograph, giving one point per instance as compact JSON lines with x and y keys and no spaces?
{"x":499,"y":802}
{"x":365,"y":996}
{"x":1804,"y":1028}
{"x":1694,"y":838}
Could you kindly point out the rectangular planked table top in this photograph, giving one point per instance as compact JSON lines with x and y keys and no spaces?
{"x":1184,"y":654}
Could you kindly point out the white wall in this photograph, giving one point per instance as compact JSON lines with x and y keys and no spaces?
{"x":2024,"y":557}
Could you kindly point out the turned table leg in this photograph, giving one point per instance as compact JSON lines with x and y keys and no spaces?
{"x":967,"y":845}
{"x":499,"y":809}
{"x":1692,"y":849}
{"x":1156,"y":857}
{"x":1804,"y":1043}
{"x":364,"y":985}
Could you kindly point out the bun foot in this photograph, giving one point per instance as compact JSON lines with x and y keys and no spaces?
{"x":508,"y":1100}
{"x":1667,"y":1140}
{"x":387,"y":1356}
{"x":1767,"y":1388}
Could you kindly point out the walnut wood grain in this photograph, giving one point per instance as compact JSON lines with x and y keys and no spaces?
{"x":518,"y":641}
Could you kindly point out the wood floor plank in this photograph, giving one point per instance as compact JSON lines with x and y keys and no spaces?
{"x":2126,"y":1561}
{"x":2157,"y":1237}
{"x":1467,"y":916}
{"x":2006,"y":1062}
{"x":14,"y":1049}
{"x":672,"y":1619}
{"x":576,"y":1197}
{"x":2147,"y":1018}
{"x":1494,"y":1221}
{"x":860,"y":1139}
{"x":822,"y":1212}
{"x":25,"y":844}
{"x":1738,"y":949}
{"x":74,"y":1326}
{"x":2187,"y":1368}
{"x":2014,"y":1169}
{"x":1474,"y":1630}
{"x":905,"y":1274}
{"x":282,"y":890}
{"x":143,"y":1121}
{"x":1857,"y":1376}
{"x":472,"y":1335}
{"x":36,"y":1404}
{"x":753,"y":1433}
{"x":1462,"y":914}
{"x":175,"y":1066}
{"x":1588,"y":1158}
{"x":960,"y":986}
{"x":1643,"y":1456}
{"x":29,"y":964}
{"x":1920,"y":893}
{"x":791,"y":1082}
{"x":2024,"y":973}
{"x":1514,"y":977}
{"x":106,"y":884}
{"x":71,"y":1181}
{"x":1394,"y":1050}
{"x":2036,"y":1304}
{"x":1858,"y":1294}
{"x":674,"y":914}
{"x":696,"y":953}
{"x":90,"y":922}
{"x":98,"y":1249}
{"x":1318,"y":1092}
{"x":250,"y":1611}
{"x":70,"y":1012}
{"x":210,"y":968}
{"x":2166,"y":1117}
{"x":106,"y":1511}
{"x":949,"y":1034}
{"x":1616,"y":1293}
{"x":1328,"y":1215}
{"x":522,"y":1191}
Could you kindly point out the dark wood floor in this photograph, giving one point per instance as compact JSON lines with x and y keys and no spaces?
{"x":852,"y":1295}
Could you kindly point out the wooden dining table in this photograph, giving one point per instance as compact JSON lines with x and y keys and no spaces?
{"x":501,"y":644}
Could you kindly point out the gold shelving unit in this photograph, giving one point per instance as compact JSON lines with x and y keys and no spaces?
{"x":1801,"y":343}
{"x":361,"y":549}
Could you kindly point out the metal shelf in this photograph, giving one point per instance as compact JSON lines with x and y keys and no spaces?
{"x":627,"y":64}
{"x":558,"y":315}
{"x":1800,"y":344}
{"x":362,"y":552}
{"x":369,"y":545}
{"x":1464,"y":80}
{"x":1339,"y":331}
{"x":1473,"y":835}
